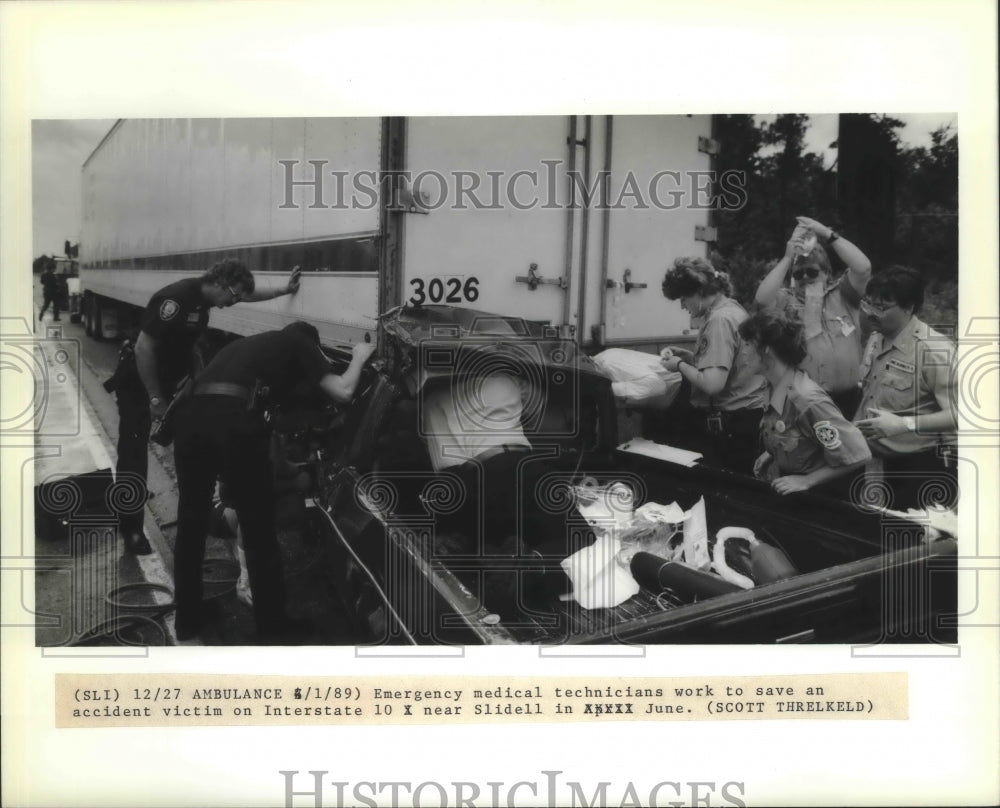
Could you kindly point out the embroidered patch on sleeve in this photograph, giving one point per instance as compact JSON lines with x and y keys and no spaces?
{"x":827,"y":434}
{"x":169,"y":309}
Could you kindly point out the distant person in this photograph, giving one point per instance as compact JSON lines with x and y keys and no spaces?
{"x":908,"y":406}
{"x":164,"y":353}
{"x":50,"y":292}
{"x":727,"y":394}
{"x":808,"y":444}
{"x":222,"y":432}
{"x":829,"y":308}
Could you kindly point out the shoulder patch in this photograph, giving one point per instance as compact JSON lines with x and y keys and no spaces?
{"x":827,"y":434}
{"x":169,"y":309}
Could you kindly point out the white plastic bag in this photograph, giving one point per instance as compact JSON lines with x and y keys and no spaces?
{"x":639,"y":378}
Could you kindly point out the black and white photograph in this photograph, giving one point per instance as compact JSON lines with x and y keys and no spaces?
{"x":508,"y":379}
{"x":508,"y":404}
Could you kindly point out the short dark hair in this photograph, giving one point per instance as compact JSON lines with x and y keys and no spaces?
{"x":302,"y":327}
{"x":783,"y":335}
{"x":902,"y":285}
{"x":694,"y":276}
{"x":229,"y":272}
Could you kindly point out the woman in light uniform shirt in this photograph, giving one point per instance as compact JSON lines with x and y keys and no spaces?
{"x":828,"y":308}
{"x":727,"y":396}
{"x":808,"y":443}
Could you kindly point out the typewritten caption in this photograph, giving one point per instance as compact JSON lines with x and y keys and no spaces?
{"x":149,"y":700}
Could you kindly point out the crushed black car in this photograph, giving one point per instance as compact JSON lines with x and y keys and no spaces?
{"x":407,"y":576}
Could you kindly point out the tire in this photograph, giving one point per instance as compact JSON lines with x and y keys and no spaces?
{"x":88,"y":315}
{"x":96,"y":329}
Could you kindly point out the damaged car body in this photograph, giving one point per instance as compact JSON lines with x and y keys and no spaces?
{"x":408,"y":575}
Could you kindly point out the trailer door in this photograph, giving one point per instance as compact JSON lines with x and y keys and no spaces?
{"x":659,"y":202}
{"x":494,"y":193}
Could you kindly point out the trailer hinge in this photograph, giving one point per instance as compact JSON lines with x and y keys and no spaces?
{"x":705,"y":233}
{"x":708,"y":145}
{"x":533,"y":279}
{"x":409,"y":201}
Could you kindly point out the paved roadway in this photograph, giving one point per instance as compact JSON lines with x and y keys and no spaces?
{"x":78,"y":569}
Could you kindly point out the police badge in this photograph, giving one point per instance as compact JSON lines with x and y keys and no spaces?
{"x":169,"y":309}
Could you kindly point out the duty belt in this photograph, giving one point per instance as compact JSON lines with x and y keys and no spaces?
{"x":222,"y":389}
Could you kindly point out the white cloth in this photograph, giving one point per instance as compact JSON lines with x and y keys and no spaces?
{"x":471,"y":415}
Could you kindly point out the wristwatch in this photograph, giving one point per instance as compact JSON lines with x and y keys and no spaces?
{"x":833,"y":237}
{"x":910,"y":422}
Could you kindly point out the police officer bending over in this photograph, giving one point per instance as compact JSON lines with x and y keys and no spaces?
{"x":164,"y":353}
{"x":221,"y":432}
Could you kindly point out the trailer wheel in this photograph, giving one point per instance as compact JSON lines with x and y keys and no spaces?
{"x":96,"y":313}
{"x":88,"y":316}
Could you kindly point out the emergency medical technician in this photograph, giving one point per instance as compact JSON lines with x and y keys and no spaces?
{"x":727,"y":394}
{"x":829,"y":309}
{"x":164,"y":353}
{"x":222,"y":432}
{"x":907,"y":410}
{"x":807,"y":441}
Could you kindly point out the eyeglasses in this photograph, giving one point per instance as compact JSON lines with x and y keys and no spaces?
{"x":877,"y":308}
{"x":808,"y":272}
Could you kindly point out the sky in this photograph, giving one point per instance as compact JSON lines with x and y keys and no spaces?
{"x":59,"y":148}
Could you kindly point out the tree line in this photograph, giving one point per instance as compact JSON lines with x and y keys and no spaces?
{"x":898,"y":203}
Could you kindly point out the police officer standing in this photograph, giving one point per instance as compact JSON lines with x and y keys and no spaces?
{"x":50,"y":291}
{"x":221,"y":431}
{"x":164,"y":353}
{"x":907,"y":410}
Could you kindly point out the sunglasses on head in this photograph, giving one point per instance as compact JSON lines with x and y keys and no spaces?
{"x":805,"y":272}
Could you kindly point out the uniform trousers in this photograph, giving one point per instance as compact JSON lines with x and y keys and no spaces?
{"x":730,"y":441}
{"x":216,"y":437}
{"x":727,"y":440}
{"x":134,"y":423}
{"x":50,"y":299}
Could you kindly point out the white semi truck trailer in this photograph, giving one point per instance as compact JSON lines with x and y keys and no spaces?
{"x":567,"y":220}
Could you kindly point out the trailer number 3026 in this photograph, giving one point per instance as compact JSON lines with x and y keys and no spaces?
{"x":445,"y":290}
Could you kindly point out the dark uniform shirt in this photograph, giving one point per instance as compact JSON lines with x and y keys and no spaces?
{"x":803,"y":430}
{"x":833,"y":341}
{"x":720,"y":346}
{"x":910,"y":375}
{"x":279,"y":360}
{"x":49,"y":283}
{"x":176,"y":316}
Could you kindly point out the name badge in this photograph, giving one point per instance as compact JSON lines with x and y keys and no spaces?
{"x":846,"y":327}
{"x":899,"y":364}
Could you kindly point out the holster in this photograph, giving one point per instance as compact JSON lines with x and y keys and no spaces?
{"x":124,"y":369}
{"x":162,"y":432}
